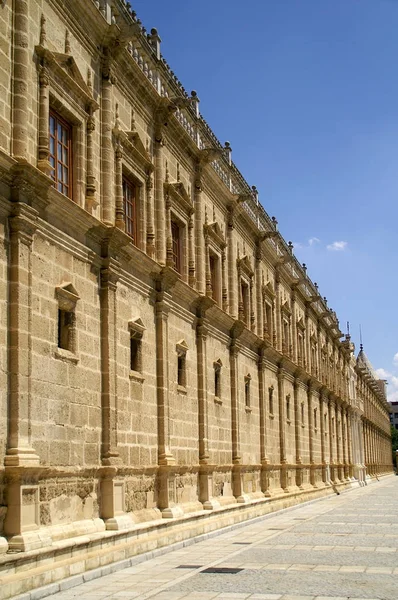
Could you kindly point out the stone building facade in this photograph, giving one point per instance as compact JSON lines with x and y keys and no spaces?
{"x":166,"y":364}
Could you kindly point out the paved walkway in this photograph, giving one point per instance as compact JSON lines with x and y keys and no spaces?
{"x":343,"y":547}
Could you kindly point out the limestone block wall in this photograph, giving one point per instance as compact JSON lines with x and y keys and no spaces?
{"x":66,"y":413}
{"x":132,"y":387}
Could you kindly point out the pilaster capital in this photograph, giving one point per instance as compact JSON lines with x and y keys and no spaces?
{"x":23,"y":222}
{"x":110,"y":273}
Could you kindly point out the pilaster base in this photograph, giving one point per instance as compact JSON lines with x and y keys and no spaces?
{"x":119,"y":523}
{"x":21,"y":457}
{"x":172,"y":512}
{"x":29,"y":540}
{"x":3,"y":545}
{"x":211,"y":504}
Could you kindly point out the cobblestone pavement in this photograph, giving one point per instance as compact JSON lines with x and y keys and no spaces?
{"x":339,"y":548}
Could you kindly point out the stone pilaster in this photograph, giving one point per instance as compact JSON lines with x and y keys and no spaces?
{"x":297,"y":435}
{"x":282,"y":428}
{"x":160,"y":236}
{"x":199,"y":237}
{"x":259,"y":294}
{"x":109,"y":276}
{"x":22,"y":227}
{"x":205,"y":470}
{"x":22,"y":61}
{"x":311,"y":435}
{"x":107,"y":157}
{"x":294,"y":329}
{"x":119,"y":208}
{"x":322,"y":429}
{"x":278,"y":314}
{"x":43,"y":162}
{"x":150,"y":235}
{"x":232,"y":271}
{"x":191,"y":252}
{"x":91,"y":190}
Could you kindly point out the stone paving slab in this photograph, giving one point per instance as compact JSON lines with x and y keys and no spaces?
{"x":339,"y":548}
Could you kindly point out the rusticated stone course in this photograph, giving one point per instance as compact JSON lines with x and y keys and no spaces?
{"x":162,"y":376}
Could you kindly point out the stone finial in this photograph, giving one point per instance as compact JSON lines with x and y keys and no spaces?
{"x":275,"y":223}
{"x":155,"y":41}
{"x":195,"y":102}
{"x":67,"y":42}
{"x":290,"y":246}
{"x":43,"y":33}
{"x":255,"y":193}
{"x":228,"y":149}
{"x":316,"y":286}
{"x":325,"y":300}
{"x":304,"y":269}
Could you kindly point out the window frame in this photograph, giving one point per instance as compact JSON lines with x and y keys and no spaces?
{"x":68,"y":126}
{"x":129,"y":184}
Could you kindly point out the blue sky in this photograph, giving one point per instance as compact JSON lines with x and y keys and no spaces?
{"x":306,"y":92}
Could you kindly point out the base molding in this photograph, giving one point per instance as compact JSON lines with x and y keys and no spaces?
{"x":66,"y":561}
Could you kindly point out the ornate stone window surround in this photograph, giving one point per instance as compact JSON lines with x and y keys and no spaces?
{"x":67,"y":298}
{"x":215,"y":246}
{"x":271,"y":391}
{"x":301,"y":331}
{"x":136,"y":330}
{"x":180,"y":210}
{"x":286,"y":318}
{"x":245,"y":280}
{"x":182,"y":349}
{"x":217,"y":365}
{"x":132,"y":163}
{"x":268,"y":297}
{"x":63,"y":89}
{"x":247,"y":381}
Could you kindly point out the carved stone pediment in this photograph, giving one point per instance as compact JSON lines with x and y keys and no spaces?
{"x":268,"y":290}
{"x":133,"y":145}
{"x":215,"y":234}
{"x":244,"y":266}
{"x":67,"y":296}
{"x":136,"y":327}
{"x":63,"y":69}
{"x":301,"y":324}
{"x":177,"y":192}
{"x":285,"y":307}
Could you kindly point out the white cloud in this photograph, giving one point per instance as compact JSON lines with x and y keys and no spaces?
{"x":337,"y":246}
{"x":383,"y":374}
{"x":313,"y":240}
{"x":392,"y":380}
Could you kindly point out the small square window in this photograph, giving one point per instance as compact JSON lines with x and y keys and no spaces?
{"x":271,"y":400}
{"x":181,"y":370}
{"x":66,"y":321}
{"x":247,"y":391}
{"x":135,"y":354}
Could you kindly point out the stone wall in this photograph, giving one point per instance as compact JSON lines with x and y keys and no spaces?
{"x":216,"y":383}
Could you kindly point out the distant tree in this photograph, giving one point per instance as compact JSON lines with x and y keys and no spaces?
{"x":394,"y":443}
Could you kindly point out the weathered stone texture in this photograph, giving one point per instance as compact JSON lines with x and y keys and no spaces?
{"x":169,"y":360}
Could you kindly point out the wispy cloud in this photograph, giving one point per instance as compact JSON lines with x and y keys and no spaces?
{"x":311,"y":242}
{"x":391,"y":378}
{"x":383,"y":374}
{"x":337,"y":246}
